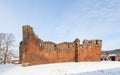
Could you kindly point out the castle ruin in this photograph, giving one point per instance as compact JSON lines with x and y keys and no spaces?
{"x":35,"y":51}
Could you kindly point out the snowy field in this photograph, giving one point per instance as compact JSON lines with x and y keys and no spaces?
{"x":72,"y":68}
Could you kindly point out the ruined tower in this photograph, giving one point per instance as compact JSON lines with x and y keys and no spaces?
{"x":35,"y":51}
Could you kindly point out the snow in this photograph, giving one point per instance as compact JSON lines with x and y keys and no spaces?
{"x":71,"y":68}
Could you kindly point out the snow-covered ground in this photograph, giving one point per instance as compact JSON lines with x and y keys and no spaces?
{"x":71,"y":68}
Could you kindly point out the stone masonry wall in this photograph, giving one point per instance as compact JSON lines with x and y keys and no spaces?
{"x":35,"y":51}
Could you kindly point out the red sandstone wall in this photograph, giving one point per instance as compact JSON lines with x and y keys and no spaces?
{"x":89,"y":53}
{"x":34,"y":51}
{"x":37,"y":55}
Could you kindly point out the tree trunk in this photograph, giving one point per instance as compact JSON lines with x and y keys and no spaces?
{"x":5,"y":57}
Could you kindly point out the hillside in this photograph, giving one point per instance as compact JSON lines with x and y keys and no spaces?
{"x":111,"y":51}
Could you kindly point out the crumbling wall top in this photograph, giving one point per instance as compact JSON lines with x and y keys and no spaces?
{"x":93,"y":42}
{"x":28,"y":33}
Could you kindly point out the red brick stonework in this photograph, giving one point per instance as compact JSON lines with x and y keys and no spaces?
{"x":35,"y":51}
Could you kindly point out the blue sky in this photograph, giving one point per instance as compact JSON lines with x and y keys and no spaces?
{"x":64,"y":20}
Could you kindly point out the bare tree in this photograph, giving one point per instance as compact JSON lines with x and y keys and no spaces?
{"x":6,"y":42}
{"x":2,"y":35}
